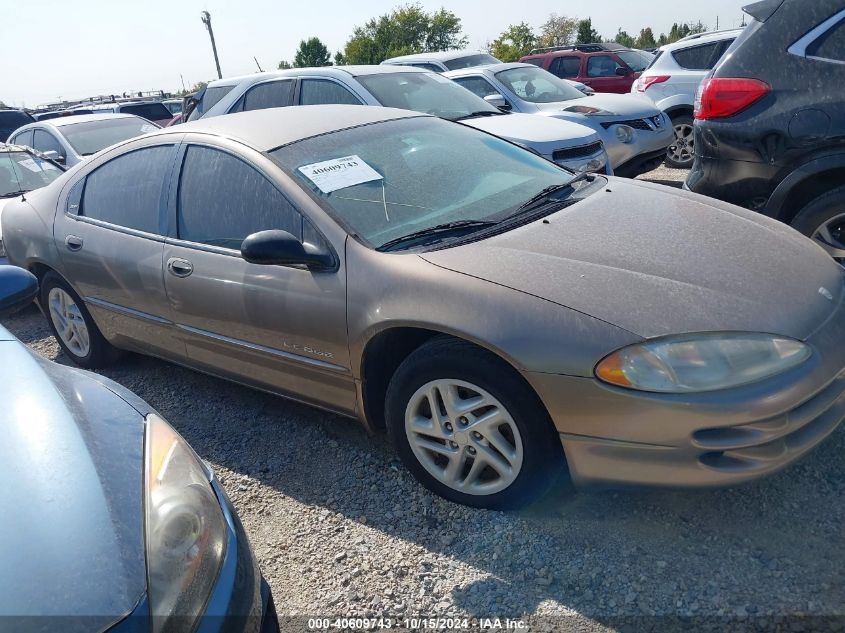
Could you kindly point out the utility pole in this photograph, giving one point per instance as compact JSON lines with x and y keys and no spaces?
{"x":717,"y":22}
{"x":206,"y":19}
{"x":183,"y":83}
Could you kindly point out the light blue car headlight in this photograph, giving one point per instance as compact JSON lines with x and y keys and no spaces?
{"x":624,"y":133}
{"x":185,"y":530}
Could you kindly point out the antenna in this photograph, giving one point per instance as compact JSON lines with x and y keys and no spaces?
{"x":260,"y":69}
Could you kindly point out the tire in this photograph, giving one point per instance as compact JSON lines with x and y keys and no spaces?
{"x":823,"y":221}
{"x":681,"y":157}
{"x":521,"y":434}
{"x":72,"y":325}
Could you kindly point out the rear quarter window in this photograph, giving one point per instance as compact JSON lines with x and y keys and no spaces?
{"x":701,"y":57}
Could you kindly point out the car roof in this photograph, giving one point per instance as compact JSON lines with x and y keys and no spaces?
{"x":321,"y":71}
{"x":274,"y":127}
{"x":493,"y":68}
{"x":82,"y":118}
{"x":701,"y":38}
{"x":440,"y":56}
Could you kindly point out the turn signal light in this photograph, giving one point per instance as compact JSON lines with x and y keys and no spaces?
{"x":720,"y":97}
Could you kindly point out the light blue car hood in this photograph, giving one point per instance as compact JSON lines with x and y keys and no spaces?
{"x":71,"y":463}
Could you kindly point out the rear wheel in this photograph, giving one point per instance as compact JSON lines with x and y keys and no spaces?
{"x":72,"y":324}
{"x":823,"y":220}
{"x":679,"y":154}
{"x":467,"y":426}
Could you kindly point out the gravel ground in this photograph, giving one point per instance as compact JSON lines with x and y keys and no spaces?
{"x":340,"y":528}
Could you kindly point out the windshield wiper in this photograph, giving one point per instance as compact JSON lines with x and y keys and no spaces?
{"x":545,"y":195}
{"x":12,"y":194}
{"x":439,"y":230}
{"x":478,"y":113}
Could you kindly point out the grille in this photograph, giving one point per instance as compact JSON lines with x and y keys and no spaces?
{"x":637,"y":124}
{"x":577,"y":152}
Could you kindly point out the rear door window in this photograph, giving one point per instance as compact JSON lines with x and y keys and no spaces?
{"x":149,"y":111}
{"x":317,"y":91}
{"x":272,"y":94}
{"x":477,"y":85}
{"x":565,"y":66}
{"x":127,"y":190}
{"x":831,"y":45}
{"x":222,"y":200}
{"x":697,"y":57}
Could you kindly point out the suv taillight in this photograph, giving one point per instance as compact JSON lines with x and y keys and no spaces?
{"x":719,"y":97}
{"x":644,"y":82}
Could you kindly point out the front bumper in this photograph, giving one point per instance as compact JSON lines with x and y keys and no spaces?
{"x":615,"y":437}
{"x":651,"y":143}
{"x":641,"y":164}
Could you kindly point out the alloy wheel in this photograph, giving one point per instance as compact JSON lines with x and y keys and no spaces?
{"x":681,"y":148}
{"x":464,"y":437}
{"x":69,"y":322}
{"x":831,"y":237}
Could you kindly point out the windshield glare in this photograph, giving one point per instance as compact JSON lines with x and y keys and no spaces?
{"x":92,"y":136}
{"x":426,"y":172}
{"x":425,"y":92}
{"x":535,"y":85}
{"x":470,"y":61}
{"x":21,"y":171}
{"x":637,"y":60}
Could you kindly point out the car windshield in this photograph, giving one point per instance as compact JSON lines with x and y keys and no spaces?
{"x":21,"y":171}
{"x":91,"y":136}
{"x":425,"y":92}
{"x":637,"y":60}
{"x":537,"y":86}
{"x":470,"y":61}
{"x":390,"y":179}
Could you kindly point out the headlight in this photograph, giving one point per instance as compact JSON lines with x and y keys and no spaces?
{"x":701,"y":362}
{"x":185,"y":527}
{"x":624,"y":133}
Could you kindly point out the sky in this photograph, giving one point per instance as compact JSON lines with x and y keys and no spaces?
{"x":52,"y":49}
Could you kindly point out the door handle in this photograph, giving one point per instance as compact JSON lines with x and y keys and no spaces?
{"x":73,"y":243}
{"x":179,"y":267}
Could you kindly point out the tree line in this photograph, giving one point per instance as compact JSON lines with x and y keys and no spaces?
{"x":409,"y":29}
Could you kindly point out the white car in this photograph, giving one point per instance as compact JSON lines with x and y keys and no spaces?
{"x":566,"y":143}
{"x":71,"y":139}
{"x":443,"y":61}
{"x":634,"y":132}
{"x":672,"y":80}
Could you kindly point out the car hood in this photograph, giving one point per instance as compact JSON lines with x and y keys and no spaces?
{"x":615,"y":106}
{"x":657,"y":262}
{"x":71,"y":461}
{"x":540,"y":133}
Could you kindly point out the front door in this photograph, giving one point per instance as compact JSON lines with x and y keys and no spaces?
{"x":110,"y":237}
{"x":275,"y":327}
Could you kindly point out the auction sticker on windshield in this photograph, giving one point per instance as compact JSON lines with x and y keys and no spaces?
{"x":339,"y":173}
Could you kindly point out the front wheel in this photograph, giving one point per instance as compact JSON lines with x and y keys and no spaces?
{"x":680,"y":153}
{"x":469,"y":428}
{"x":823,"y":221}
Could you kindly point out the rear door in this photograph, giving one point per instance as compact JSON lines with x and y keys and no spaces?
{"x":109,"y":232}
{"x":277,"y":93}
{"x":275,"y":327}
{"x":319,"y":90}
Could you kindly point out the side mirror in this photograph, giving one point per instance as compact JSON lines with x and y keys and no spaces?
{"x":54,"y":155}
{"x":498,"y":101}
{"x":280,"y":248}
{"x":18,"y":288}
{"x":622,"y":72}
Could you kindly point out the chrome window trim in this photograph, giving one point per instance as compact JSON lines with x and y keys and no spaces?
{"x":799,"y":48}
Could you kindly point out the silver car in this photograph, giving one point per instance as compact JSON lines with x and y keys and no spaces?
{"x":505,"y":319}
{"x":569,"y":144}
{"x":635,"y":133}
{"x":70,"y":140}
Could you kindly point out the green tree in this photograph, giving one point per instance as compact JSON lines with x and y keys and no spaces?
{"x":444,"y":32}
{"x":624,"y":39}
{"x":646,"y":39}
{"x":586,"y":33}
{"x":284,"y":65}
{"x":558,"y":30}
{"x":312,"y":52}
{"x":406,"y":29}
{"x":517,"y":40}
{"x":339,"y":59}
{"x":198,"y":86}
